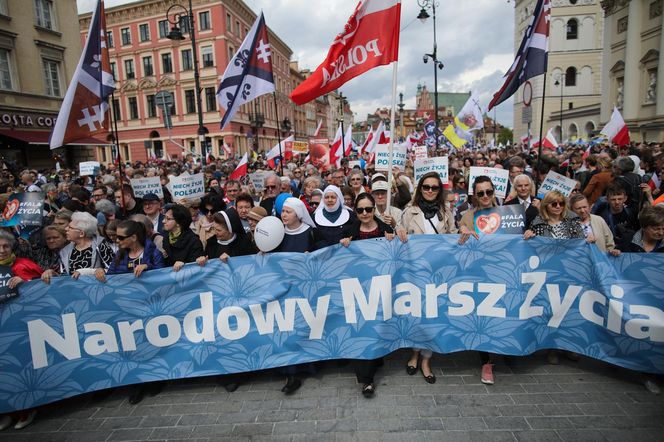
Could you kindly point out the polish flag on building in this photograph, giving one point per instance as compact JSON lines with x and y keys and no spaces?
{"x":369,"y":39}
{"x":84,"y":110}
{"x":337,"y":148}
{"x":275,"y":153}
{"x":241,"y":169}
{"x":616,"y":129}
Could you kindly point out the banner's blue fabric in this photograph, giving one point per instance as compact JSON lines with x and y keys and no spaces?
{"x":499,"y":294}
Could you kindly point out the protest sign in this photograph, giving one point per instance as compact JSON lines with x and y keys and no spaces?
{"x":87,"y":168}
{"x":510,"y":219}
{"x":5,"y":292}
{"x":421,"y":152}
{"x":499,"y":294}
{"x":258,"y":180}
{"x":300,"y":147}
{"x":319,"y":152}
{"x":499,"y":178}
{"x":143,"y":186}
{"x":556,"y":181}
{"x":436,"y":164}
{"x":187,"y":186}
{"x":23,"y":209}
{"x":383,"y":159}
{"x":355,"y":163}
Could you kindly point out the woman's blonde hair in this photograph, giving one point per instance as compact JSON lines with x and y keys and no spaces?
{"x":550,"y":197}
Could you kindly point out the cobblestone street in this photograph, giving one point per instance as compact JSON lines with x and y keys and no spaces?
{"x":531,"y":401}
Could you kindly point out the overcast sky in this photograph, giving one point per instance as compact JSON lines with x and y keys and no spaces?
{"x":475,"y":42}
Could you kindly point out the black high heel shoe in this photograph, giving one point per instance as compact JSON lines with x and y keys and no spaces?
{"x":431,"y":379}
{"x":411,"y":370}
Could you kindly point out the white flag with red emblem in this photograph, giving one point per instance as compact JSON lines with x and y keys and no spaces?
{"x":241,"y":169}
{"x":84,"y":110}
{"x":369,"y":39}
{"x":249,"y":74}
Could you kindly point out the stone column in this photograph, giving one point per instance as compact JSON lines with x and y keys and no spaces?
{"x":633,"y":54}
{"x":606,"y":103}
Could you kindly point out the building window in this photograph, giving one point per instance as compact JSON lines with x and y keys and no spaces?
{"x":144,"y":32}
{"x":4,"y":10}
{"x":114,"y":70}
{"x":126,"y":36}
{"x":231,"y":53}
{"x":570,"y":76}
{"x":166,"y":63}
{"x":133,"y":108}
{"x":184,"y":24}
{"x":206,"y":55}
{"x":622,"y":25}
{"x":237,"y":28}
{"x":44,"y":10}
{"x":152,"y":106}
{"x":172,"y":109}
{"x":147,"y":66}
{"x":210,"y":99}
{"x":109,"y":39}
{"x":204,"y":20}
{"x":116,"y":109}
{"x":187,"y":63}
{"x":229,"y":23}
{"x":189,"y":101}
{"x":163,"y":28}
{"x":52,"y":78}
{"x":5,"y":70}
{"x":572,"y":29}
{"x":129,"y":69}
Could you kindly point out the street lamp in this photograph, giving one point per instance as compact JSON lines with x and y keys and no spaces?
{"x":174,"y":15}
{"x":437,"y":64}
{"x":401,"y":106}
{"x":560,"y":82}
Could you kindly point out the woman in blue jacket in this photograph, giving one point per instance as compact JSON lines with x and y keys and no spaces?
{"x":136,"y":253}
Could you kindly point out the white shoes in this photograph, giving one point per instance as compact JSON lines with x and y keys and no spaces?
{"x":5,"y":422}
{"x":25,"y":420}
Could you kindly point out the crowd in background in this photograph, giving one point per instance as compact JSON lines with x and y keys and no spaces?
{"x":93,"y":225}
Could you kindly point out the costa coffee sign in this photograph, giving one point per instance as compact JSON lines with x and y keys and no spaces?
{"x":16,"y":120}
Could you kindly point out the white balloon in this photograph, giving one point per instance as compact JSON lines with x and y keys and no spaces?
{"x":269,"y":233}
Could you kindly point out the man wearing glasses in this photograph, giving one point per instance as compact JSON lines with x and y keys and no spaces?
{"x":296,"y":182}
{"x":152,"y":209}
{"x":338,"y":177}
{"x":272,"y":187}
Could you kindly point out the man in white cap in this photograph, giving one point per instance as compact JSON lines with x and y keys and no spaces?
{"x":390,"y":217}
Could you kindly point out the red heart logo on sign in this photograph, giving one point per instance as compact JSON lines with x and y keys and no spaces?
{"x":10,"y":209}
{"x":488,"y":224}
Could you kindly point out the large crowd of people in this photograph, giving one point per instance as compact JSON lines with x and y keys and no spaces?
{"x":95,"y":226}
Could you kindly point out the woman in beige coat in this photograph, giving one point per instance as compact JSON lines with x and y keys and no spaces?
{"x":427,"y":214}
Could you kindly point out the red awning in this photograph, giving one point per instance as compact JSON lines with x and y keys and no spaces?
{"x":40,"y":137}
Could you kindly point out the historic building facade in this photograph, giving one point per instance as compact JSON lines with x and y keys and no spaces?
{"x":632,"y":74}
{"x":573,"y":85}
{"x":146,"y":62}
{"x":38,"y":56}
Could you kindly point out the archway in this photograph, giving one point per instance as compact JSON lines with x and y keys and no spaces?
{"x":589,"y":129}
{"x":572,"y":131}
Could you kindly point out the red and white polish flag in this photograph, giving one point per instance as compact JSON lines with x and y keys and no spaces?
{"x":369,"y":39}
{"x":286,"y":150}
{"x":336,"y":149}
{"x":616,"y":129}
{"x":241,"y":169}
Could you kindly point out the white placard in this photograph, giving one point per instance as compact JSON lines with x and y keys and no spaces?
{"x":143,"y":186}
{"x":187,"y":186}
{"x":87,"y":168}
{"x":421,"y":153}
{"x":556,"y":181}
{"x":383,"y":158}
{"x":352,"y":164}
{"x":436,"y":164}
{"x":499,"y":178}
{"x":258,"y":180}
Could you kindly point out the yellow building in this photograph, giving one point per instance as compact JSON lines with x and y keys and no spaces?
{"x":631,"y":74}
{"x":39,"y":51}
{"x":572,"y":105}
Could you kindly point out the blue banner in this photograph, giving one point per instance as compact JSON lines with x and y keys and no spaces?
{"x":500,"y":294}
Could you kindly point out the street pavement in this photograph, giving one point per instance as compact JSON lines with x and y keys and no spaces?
{"x":531,"y":401}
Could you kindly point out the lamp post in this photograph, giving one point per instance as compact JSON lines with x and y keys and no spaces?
{"x":401,"y":106}
{"x":174,"y":15}
{"x":560,"y":82}
{"x":437,"y":64}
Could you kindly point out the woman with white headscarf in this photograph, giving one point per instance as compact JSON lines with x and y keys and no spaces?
{"x":333,"y":219}
{"x":299,"y":238}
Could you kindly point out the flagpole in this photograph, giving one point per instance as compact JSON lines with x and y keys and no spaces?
{"x":390,"y":149}
{"x":539,"y":149}
{"x":276,"y":114}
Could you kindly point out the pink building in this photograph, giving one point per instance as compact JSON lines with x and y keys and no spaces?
{"x":145,"y":62}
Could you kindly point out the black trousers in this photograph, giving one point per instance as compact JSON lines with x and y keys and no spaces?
{"x":365,"y":370}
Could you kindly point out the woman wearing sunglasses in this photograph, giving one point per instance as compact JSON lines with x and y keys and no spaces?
{"x":204,"y":226}
{"x":367,"y":226}
{"x":483,"y":192}
{"x":427,"y":213}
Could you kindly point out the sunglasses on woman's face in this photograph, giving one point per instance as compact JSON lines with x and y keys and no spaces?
{"x":482,"y":193}
{"x":361,"y":210}
{"x":557,"y":204}
{"x":122,"y":237}
{"x":428,"y":188}
{"x":207,"y":211}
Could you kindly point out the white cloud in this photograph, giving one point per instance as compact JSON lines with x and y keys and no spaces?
{"x":475,"y":42}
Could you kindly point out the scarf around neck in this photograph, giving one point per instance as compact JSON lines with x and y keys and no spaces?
{"x":429,"y":208}
{"x":9,"y":261}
